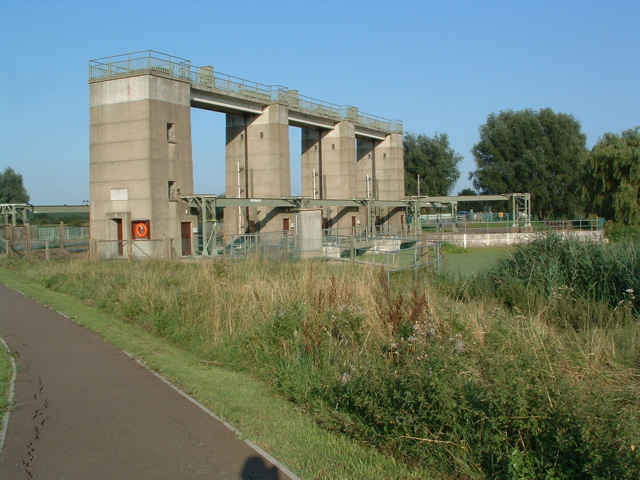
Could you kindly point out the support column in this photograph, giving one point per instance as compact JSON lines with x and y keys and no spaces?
{"x":257,"y":161}
{"x":235,"y":218}
{"x":366,"y":180}
{"x":366,"y":168}
{"x":389,"y":156}
{"x":312,"y":174}
{"x":338,"y":148}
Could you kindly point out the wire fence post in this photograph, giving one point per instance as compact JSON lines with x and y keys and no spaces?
{"x":61,"y":235}
{"x":388,"y":271}
{"x":353,"y":249}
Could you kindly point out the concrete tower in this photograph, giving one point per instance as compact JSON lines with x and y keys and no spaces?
{"x":140,"y":138}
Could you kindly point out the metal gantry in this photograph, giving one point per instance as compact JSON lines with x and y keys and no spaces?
{"x":520,"y":202}
{"x":521,"y":209}
{"x":208,"y":209}
{"x":12,"y":212}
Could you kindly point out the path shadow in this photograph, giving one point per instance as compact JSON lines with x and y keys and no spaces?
{"x":256,"y":469}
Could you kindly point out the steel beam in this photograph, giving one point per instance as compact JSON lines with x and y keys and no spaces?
{"x":60,"y":209}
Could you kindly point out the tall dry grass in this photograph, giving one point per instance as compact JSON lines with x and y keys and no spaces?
{"x":522,"y":373}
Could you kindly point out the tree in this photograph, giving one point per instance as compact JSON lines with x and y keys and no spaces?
{"x":434,"y":160}
{"x":537,"y":152}
{"x":612,"y":177}
{"x":468,"y":206}
{"x":11,"y":187}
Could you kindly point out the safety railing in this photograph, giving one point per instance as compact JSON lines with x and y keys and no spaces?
{"x":493,"y":223}
{"x":147,"y":60}
{"x":52,"y":234}
{"x":277,"y":244}
{"x":132,"y":249}
{"x":206,"y":78}
{"x":394,"y":254}
{"x":401,"y":231}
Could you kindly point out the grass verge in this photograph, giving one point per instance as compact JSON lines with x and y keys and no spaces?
{"x":469,"y":261}
{"x":277,"y":426}
{"x":6,"y":372}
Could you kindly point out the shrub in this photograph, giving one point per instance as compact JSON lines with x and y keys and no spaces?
{"x":552,"y":268}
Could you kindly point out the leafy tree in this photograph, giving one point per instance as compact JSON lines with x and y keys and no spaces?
{"x":468,"y":206}
{"x":434,"y":160}
{"x":612,"y":177}
{"x":537,"y":152}
{"x":11,"y":187}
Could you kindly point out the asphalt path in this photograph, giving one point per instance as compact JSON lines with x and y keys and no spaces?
{"x":85,"y":410}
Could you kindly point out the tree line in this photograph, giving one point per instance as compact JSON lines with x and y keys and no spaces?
{"x":538,"y":152}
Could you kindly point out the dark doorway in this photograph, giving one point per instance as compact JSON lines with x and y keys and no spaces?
{"x":120,"y":236}
{"x":185,"y":234}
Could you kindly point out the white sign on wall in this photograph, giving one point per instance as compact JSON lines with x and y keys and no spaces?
{"x":119,"y":194}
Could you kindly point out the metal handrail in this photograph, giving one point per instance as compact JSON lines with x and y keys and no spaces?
{"x":206,"y":78}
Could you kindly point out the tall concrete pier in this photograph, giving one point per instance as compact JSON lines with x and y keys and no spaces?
{"x":141,"y":160}
{"x":140,"y":164}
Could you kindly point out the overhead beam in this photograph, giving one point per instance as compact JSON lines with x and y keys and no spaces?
{"x":60,"y":209}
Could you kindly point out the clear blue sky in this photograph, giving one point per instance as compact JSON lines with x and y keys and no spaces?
{"x":439,"y":66}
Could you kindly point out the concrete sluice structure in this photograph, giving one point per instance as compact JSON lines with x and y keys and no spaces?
{"x":142,"y":198}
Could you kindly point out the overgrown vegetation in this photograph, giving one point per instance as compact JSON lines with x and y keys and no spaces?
{"x":69,"y":219}
{"x":527,"y":371}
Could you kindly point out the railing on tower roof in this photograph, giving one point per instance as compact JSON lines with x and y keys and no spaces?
{"x":206,"y":79}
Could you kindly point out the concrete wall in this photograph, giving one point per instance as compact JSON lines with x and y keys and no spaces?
{"x":468,"y":240}
{"x":140,"y":160}
{"x":310,"y":233}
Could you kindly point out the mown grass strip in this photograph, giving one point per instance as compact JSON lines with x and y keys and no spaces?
{"x":7,"y":378}
{"x":275,"y":425}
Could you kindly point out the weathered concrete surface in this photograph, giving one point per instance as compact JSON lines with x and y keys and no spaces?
{"x":85,"y":410}
{"x":310,"y":232}
{"x":468,"y":240}
{"x":258,"y":166}
{"x":140,"y":152}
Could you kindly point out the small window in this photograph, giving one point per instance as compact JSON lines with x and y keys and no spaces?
{"x":172,"y":191}
{"x":171,"y":133}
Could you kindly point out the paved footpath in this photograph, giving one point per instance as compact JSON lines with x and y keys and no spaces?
{"x":85,"y":410}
